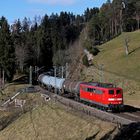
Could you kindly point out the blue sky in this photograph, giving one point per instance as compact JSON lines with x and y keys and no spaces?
{"x":14,"y":9}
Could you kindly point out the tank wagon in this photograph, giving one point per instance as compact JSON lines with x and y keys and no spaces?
{"x":50,"y":82}
{"x":103,"y":95}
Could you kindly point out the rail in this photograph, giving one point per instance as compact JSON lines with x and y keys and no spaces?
{"x":106,"y":116}
{"x":93,"y":111}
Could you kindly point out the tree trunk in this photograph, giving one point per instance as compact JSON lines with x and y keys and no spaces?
{"x":126,"y":41}
{"x":112,"y":28}
{"x":121,"y":29}
{"x":21,"y":66}
{"x":138,"y":22}
{"x":115,"y":27}
{"x":102,"y":34}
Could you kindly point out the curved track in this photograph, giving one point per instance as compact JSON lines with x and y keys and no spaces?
{"x":129,"y":115}
{"x":134,"y":116}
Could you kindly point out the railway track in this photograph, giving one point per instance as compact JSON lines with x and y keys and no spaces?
{"x":119,"y":118}
{"x":131,"y":116}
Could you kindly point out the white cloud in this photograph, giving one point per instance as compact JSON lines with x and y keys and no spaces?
{"x":54,"y":2}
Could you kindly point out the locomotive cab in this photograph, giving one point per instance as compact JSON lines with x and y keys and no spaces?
{"x":115,"y":98}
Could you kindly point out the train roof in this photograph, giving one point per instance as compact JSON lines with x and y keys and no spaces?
{"x":98,"y":84}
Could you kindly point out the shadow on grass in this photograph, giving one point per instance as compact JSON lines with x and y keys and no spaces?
{"x":92,"y":137}
{"x":108,"y":135}
{"x":129,"y":132}
{"x":128,"y":108}
{"x":134,"y":50}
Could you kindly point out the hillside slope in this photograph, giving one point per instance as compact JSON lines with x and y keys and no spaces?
{"x":115,"y":60}
{"x":55,"y":122}
{"x":118,"y":68}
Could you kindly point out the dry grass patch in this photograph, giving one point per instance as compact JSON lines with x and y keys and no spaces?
{"x":132,"y":98}
{"x":53,"y":122}
{"x":10,"y":90}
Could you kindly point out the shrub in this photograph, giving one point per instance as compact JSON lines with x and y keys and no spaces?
{"x":85,"y":61}
{"x":89,"y":46}
{"x":94,"y":51}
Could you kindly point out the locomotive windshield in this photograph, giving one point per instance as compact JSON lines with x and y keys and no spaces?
{"x":111,"y":91}
{"x":118,"y":91}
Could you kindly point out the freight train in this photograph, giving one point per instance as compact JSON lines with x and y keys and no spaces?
{"x":102,"y":95}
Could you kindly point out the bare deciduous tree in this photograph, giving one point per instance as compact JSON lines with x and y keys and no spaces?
{"x":126,"y":45}
{"x":21,"y":56}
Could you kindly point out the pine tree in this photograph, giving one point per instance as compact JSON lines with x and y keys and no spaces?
{"x":45,"y":42}
{"x":7,"y":51}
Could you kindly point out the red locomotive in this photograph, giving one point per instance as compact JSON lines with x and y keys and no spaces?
{"x":103,"y":95}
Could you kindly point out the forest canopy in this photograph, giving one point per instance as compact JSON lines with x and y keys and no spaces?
{"x":43,"y":41}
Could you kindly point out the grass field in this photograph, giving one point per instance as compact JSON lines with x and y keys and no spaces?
{"x":51,"y":121}
{"x":119,"y":68}
{"x":55,"y":122}
{"x":114,"y":59}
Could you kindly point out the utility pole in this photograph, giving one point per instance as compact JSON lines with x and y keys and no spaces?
{"x":62,"y":72}
{"x":55,"y":78}
{"x":59,"y":74}
{"x":36,"y":71}
{"x":3,"y":78}
{"x":30,"y":75}
{"x":66,"y":70}
{"x":0,"y":79}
